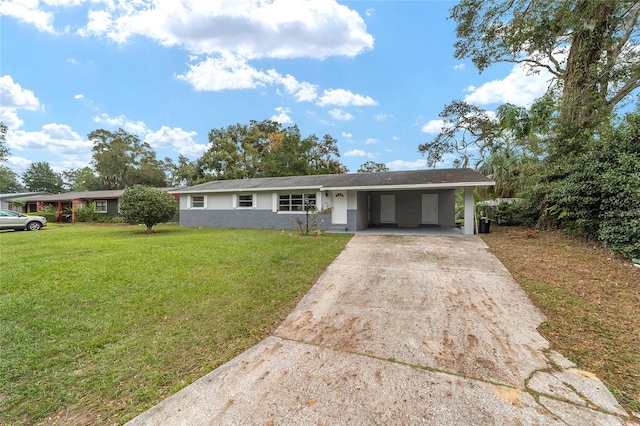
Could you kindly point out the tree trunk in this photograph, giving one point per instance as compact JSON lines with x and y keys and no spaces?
{"x":583,"y":98}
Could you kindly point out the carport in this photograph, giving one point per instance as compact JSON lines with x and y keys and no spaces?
{"x":422,"y":200}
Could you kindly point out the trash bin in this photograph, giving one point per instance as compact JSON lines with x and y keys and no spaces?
{"x":484,"y":225}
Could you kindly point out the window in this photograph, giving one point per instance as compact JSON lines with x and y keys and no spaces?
{"x":245,"y":200}
{"x":296,"y":202}
{"x":197,"y":201}
{"x":101,"y":206}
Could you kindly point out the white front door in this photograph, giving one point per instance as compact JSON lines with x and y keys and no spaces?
{"x":429,"y":208}
{"x":339,"y":212}
{"x":388,"y":208}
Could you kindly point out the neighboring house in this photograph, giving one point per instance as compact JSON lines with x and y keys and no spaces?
{"x":68,"y":203}
{"x":356,"y":201}
{"x":5,"y":204}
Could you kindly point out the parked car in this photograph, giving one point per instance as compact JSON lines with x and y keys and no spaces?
{"x":21,"y":222}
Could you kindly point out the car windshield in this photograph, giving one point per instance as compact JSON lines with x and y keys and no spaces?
{"x":8,"y":213}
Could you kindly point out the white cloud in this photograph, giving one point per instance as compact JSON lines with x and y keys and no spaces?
{"x":57,"y":138}
{"x":166,"y":137}
{"x":358,"y":153}
{"x":303,"y":91}
{"x":224,"y":73}
{"x":381,"y":117}
{"x":460,"y":67}
{"x":17,"y":164}
{"x":232,"y":72}
{"x":369,"y":12}
{"x":10,"y":118}
{"x":520,"y":87}
{"x":283,"y":116}
{"x":371,"y":141}
{"x":406,"y":165}
{"x":28,"y":12}
{"x":13,"y":98}
{"x":347,"y":135}
{"x":342,"y":97}
{"x":340,"y":115}
{"x":433,"y":126}
{"x":134,"y":127}
{"x":176,"y":138}
{"x":252,"y":28}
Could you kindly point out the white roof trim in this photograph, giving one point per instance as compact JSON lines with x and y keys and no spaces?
{"x":344,"y":188}
{"x":275,"y":189}
{"x":409,"y":186}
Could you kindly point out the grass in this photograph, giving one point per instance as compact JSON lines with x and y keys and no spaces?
{"x":100,"y":322}
{"x":591,"y":300}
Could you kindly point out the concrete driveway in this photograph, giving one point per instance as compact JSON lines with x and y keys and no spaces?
{"x":401,"y":330}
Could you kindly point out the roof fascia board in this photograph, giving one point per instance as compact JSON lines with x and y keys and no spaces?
{"x":287,"y":188}
{"x":344,"y":188}
{"x":414,"y":186}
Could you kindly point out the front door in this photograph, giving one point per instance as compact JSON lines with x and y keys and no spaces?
{"x":388,"y":208}
{"x":429,"y":208}
{"x":339,"y":211}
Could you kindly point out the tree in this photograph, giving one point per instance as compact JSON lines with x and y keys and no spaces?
{"x":265,"y":149}
{"x":503,"y":167}
{"x":120,"y":160}
{"x":41,"y":177}
{"x":146,"y":205}
{"x":9,"y":181}
{"x":236,"y":152}
{"x":473,"y":133}
{"x":372,"y":167}
{"x":589,"y":46}
{"x":323,"y":156}
{"x":4,"y":151}
{"x":184,"y":173}
{"x":81,"y":180}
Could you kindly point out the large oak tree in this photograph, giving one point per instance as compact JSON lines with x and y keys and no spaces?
{"x":589,"y":46}
{"x":266,"y":149}
{"x":121,"y":159}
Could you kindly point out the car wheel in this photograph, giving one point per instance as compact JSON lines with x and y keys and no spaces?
{"x":33,"y":226}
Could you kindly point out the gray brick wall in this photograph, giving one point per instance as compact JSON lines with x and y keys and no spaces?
{"x":261,"y":219}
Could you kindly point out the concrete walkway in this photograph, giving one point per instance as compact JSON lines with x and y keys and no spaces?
{"x":401,"y":330}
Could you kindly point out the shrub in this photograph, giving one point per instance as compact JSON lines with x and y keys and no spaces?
{"x":146,"y":205}
{"x":87,"y":213}
{"x":308,"y":223}
{"x":598,"y":196}
{"x":50,"y":216}
{"x":514,"y":213}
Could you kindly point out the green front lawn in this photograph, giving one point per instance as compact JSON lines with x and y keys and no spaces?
{"x":98,"y":323}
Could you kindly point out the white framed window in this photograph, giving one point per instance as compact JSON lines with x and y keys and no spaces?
{"x":296,"y":202}
{"x":101,"y":206}
{"x":197,"y":201}
{"x":245,"y":201}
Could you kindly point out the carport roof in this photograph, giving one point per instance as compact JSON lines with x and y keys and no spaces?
{"x":413,"y":179}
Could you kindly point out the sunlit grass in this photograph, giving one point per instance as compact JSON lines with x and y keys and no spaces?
{"x":103,"y":322}
{"x":590,"y":299}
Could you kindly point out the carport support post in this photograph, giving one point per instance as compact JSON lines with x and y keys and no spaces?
{"x":469,"y":209}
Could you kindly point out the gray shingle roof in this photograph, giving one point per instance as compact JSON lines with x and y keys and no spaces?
{"x":80,"y":195}
{"x":417,"y":178}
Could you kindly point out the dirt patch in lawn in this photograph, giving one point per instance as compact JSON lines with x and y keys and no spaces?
{"x":591,"y":299}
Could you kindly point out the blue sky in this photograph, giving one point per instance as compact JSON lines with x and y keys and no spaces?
{"x":373,"y":74}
